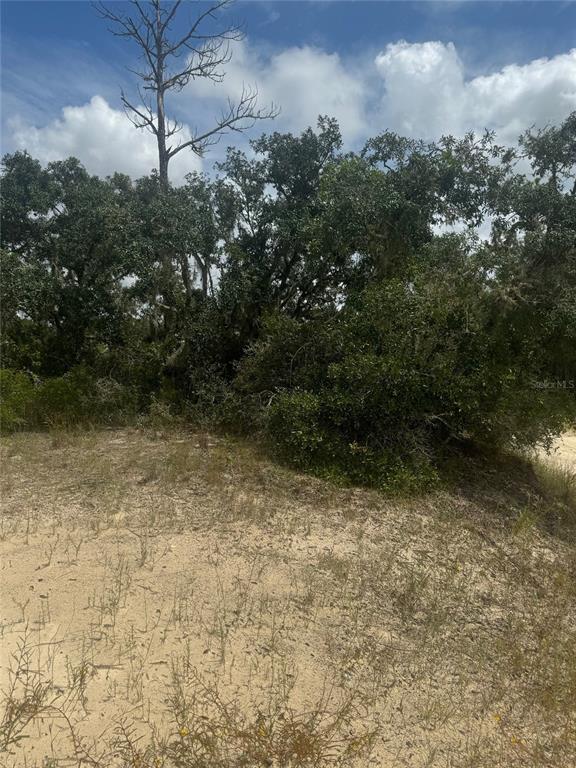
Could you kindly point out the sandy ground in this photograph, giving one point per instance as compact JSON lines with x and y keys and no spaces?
{"x":564,"y":450}
{"x":155,"y":582}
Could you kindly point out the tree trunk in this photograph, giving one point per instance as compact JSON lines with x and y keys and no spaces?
{"x":163,"y":163}
{"x":165,"y":255}
{"x":203,"y":266}
{"x":163,"y":156}
{"x":205,"y":280}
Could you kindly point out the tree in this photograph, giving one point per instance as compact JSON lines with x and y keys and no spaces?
{"x":339,"y":320}
{"x":68,"y":242}
{"x":273,"y":261}
{"x":171,"y":61}
{"x":536,"y":229}
{"x":181,"y":228}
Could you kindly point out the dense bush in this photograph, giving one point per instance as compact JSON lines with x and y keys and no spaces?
{"x":75,"y":398}
{"x":17,"y":399}
{"x":382,"y":391}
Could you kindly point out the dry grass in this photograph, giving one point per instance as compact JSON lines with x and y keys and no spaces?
{"x":172,"y":599}
{"x":558,"y":478}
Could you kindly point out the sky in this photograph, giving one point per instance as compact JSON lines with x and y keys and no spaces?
{"x":422,"y":69}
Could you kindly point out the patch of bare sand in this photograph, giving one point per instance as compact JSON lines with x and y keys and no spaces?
{"x":564,"y":450}
{"x":153,"y":584}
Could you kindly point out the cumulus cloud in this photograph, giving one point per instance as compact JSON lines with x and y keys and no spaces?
{"x":542,"y":91}
{"x":416,"y":89}
{"x":422,"y":81}
{"x":427,"y":94}
{"x":303,"y":81}
{"x":102,"y":138}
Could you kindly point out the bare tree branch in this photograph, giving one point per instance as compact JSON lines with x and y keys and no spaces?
{"x":239,"y":117}
{"x":229,"y":33}
{"x":206,"y":51}
{"x":169,"y":16}
{"x":141,"y":116}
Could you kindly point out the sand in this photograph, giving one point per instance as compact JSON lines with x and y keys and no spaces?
{"x":152,"y":582}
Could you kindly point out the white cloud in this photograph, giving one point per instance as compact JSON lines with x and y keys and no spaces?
{"x":418,"y":89}
{"x":102,"y":138}
{"x":304,"y":82}
{"x":424,"y":87}
{"x":540,"y":92}
{"x":427,"y":94}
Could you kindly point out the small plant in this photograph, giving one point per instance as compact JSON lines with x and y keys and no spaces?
{"x":210,"y":732}
{"x":146,"y":545}
{"x":27,"y":696}
{"x":159,"y":415}
{"x":49,"y":550}
{"x":558,"y":481}
{"x":78,"y":678}
{"x":525,"y":521}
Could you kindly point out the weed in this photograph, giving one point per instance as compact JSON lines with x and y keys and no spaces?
{"x":559,"y":482}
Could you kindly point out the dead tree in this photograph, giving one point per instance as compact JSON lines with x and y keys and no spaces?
{"x":170,"y":61}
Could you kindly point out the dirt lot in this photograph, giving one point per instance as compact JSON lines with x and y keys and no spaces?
{"x":175,"y":600}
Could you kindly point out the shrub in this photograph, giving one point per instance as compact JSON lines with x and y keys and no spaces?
{"x":302,"y":427}
{"x":17,"y":398}
{"x":74,"y":398}
{"x":159,"y":415}
{"x":294,"y":426}
{"x":406,"y":373}
{"x":67,"y":400}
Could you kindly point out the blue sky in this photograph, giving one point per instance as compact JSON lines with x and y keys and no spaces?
{"x":419,"y":68}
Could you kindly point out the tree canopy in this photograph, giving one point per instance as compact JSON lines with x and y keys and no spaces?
{"x":341,"y":303}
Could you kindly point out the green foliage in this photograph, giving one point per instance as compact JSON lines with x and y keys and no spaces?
{"x":77,"y":397}
{"x":69,"y":240}
{"x":306,"y":294}
{"x":404,"y":374}
{"x":17,"y":396}
{"x":295,"y":425}
{"x":300,"y":426}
